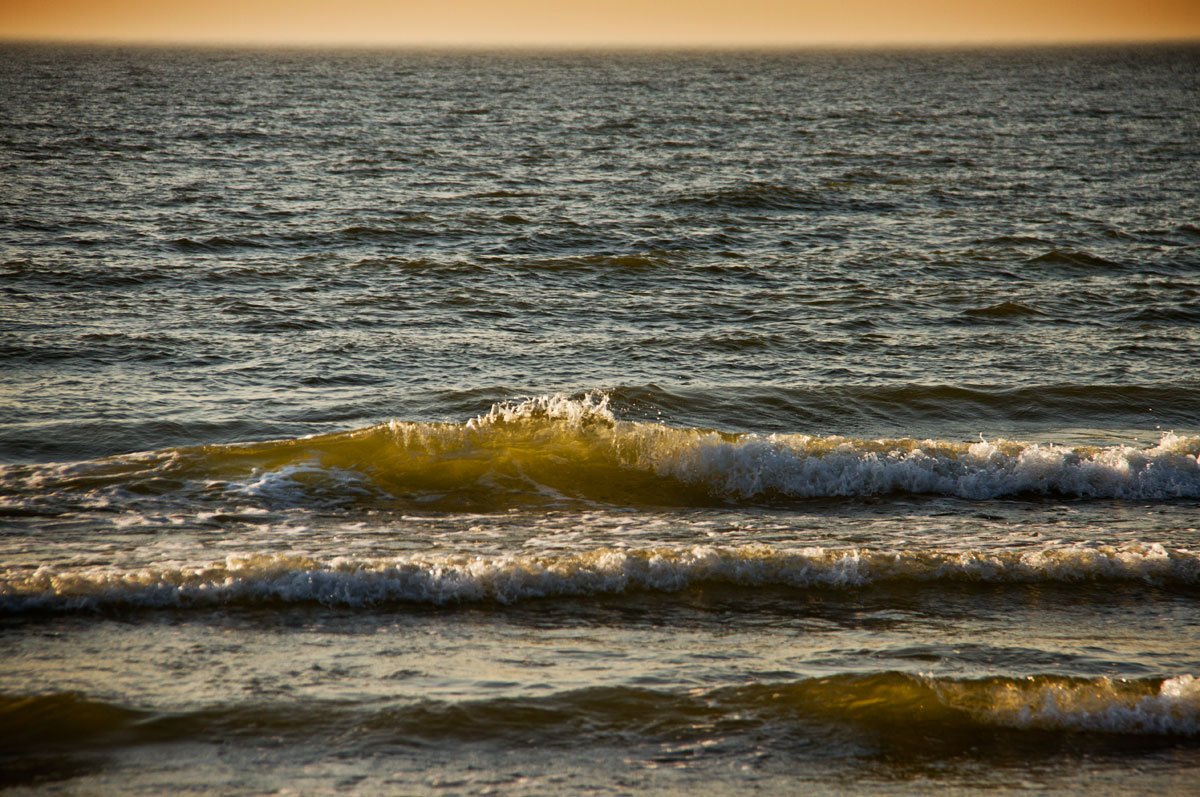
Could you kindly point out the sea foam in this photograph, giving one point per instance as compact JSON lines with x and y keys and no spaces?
{"x":751,"y":466}
{"x":1095,"y":705}
{"x":440,"y":580}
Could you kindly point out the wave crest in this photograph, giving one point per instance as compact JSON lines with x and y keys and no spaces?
{"x":1096,"y":705}
{"x":904,"y":710}
{"x":440,"y":580}
{"x":557,"y":449}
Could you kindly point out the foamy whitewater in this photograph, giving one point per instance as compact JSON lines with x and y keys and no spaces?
{"x":667,"y":423}
{"x":439,"y":580}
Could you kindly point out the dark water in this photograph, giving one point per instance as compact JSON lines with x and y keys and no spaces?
{"x":543,"y":423}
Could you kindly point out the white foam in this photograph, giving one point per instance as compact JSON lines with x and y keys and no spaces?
{"x":506,"y":579}
{"x":1098,"y":705}
{"x":591,"y":408}
{"x":300,"y":484}
{"x":801,"y":466}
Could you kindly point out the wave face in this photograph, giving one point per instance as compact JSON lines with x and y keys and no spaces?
{"x":893,"y":704}
{"x":438,"y":580}
{"x":554,"y":449}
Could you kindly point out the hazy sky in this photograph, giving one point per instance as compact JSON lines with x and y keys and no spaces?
{"x":600,"y":22}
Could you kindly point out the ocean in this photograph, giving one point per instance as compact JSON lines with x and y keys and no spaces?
{"x":611,"y":423}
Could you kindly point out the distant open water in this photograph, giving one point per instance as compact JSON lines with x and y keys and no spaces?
{"x":545,"y":423}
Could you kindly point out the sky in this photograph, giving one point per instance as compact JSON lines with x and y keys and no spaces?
{"x":600,"y":23}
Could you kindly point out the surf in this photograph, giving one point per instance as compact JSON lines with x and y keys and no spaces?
{"x":893,"y":704}
{"x":555,"y":450}
{"x":438,"y":580}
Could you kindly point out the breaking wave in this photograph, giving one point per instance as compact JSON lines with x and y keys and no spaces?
{"x":895,"y":705}
{"x":555,"y":449}
{"x":447,"y":579}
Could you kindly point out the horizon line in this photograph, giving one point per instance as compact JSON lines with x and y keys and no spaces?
{"x":620,"y":46}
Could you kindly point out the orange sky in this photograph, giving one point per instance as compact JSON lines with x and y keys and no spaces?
{"x":600,"y":22}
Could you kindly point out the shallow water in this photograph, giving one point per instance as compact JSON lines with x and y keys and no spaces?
{"x":578,"y":422}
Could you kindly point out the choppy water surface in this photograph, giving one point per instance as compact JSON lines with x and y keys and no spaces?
{"x":538,"y":423}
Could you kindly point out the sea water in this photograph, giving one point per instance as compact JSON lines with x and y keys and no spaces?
{"x":580,"y":422}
